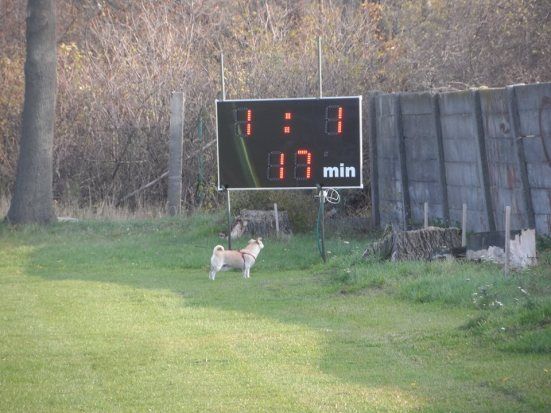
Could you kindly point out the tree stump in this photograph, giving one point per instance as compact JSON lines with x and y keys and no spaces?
{"x":257,"y":223}
{"x":420,"y":244}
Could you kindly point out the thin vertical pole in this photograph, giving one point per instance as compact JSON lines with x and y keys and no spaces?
{"x":464,"y":226}
{"x":227,"y":190}
{"x":276,"y":215}
{"x":319,"y":68}
{"x":507,"y":239}
{"x":426,"y":215}
{"x":222,"y":77}
{"x":322,"y":223}
{"x":229,"y":219}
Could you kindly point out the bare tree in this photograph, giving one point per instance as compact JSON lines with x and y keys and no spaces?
{"x":33,"y":200}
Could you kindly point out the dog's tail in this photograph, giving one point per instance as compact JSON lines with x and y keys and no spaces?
{"x":218,"y":248}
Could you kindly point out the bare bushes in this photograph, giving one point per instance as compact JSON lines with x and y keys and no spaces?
{"x":456,"y":44}
{"x":114,"y":102}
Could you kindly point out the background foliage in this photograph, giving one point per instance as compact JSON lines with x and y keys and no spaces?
{"x":118,"y":62}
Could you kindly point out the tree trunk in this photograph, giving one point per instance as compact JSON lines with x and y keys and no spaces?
{"x":33,"y":197}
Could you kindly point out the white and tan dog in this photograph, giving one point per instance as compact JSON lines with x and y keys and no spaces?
{"x":244,"y":259}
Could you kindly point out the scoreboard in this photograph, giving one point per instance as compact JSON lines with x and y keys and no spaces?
{"x":289,"y":143}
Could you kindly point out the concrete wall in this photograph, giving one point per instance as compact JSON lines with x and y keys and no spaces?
{"x":487,"y":148}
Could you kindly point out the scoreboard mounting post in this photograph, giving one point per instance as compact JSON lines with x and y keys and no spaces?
{"x":302,"y":143}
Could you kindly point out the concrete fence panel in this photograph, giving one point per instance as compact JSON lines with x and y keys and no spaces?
{"x":488,"y":148}
{"x":534,"y":107}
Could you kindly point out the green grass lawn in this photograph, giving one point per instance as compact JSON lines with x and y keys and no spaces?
{"x":121,"y":316}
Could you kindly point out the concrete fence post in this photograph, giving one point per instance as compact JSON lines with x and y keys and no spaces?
{"x":483,"y":160}
{"x":175,"y":147}
{"x":514,"y":121}
{"x":399,"y":130}
{"x":373,"y":159}
{"x":441,"y":159}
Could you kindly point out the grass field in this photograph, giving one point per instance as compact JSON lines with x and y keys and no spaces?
{"x":121,"y":316}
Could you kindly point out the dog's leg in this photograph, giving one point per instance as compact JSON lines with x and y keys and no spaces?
{"x":212,"y":273}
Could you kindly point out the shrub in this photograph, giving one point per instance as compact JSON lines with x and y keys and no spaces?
{"x":300,"y":205}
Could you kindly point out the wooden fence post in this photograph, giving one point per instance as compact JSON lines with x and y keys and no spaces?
{"x":426,"y":215}
{"x":276,"y":215}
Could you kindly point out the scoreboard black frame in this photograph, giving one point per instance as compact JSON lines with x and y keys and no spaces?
{"x":289,"y":143}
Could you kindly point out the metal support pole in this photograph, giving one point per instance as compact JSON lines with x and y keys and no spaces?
{"x":229,"y":219}
{"x":227,"y":190}
{"x":222,"y":76}
{"x":322,"y":224}
{"x":319,"y":68}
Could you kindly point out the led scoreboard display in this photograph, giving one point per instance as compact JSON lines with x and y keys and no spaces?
{"x":289,"y":143}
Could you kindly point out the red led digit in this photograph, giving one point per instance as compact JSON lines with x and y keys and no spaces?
{"x":288,"y":116}
{"x":303,"y":164}
{"x":276,"y":166}
{"x":248,"y":126}
{"x":243,"y":119}
{"x":286,"y":130}
{"x":334,"y":122}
